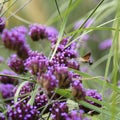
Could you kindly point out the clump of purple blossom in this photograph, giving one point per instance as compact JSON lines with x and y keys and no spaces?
{"x":16,"y":64}
{"x":60,"y":111}
{"x":93,"y":94}
{"x":37,"y":32}
{"x":6,"y":90}
{"x":36,"y":63}
{"x":49,"y":74}
{"x":22,"y":111}
{"x":40,"y":99}
{"x":78,"y":91}
{"x":15,"y":39}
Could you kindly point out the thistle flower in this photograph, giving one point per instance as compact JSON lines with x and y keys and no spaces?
{"x":16,"y":64}
{"x":6,"y":90}
{"x":105,"y":44}
{"x":23,"y":111}
{"x":2,"y":24}
{"x":6,"y":79}
{"x":58,"y":110}
{"x":37,"y":32}
{"x":78,"y":91}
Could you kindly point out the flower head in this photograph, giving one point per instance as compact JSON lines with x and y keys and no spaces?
{"x":14,"y":38}
{"x":37,"y":32}
{"x":16,"y":64}
{"x":93,"y":94}
{"x":48,"y":81}
{"x":64,"y":76}
{"x":36,"y":63}
{"x":78,"y":91}
{"x":23,"y":111}
{"x":6,"y":90}
{"x":58,"y":110}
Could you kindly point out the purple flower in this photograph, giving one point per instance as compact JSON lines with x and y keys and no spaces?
{"x":2,"y":117}
{"x":6,"y":90}
{"x":37,"y":32}
{"x":23,"y":51}
{"x":27,"y":88}
{"x":58,"y":110}
{"x":36,"y":63}
{"x":63,"y":55}
{"x":23,"y":111}
{"x":76,"y":115}
{"x":78,"y":91}
{"x":40,"y":99}
{"x":64,"y":76}
{"x":52,"y":34}
{"x":105,"y":44}
{"x":2,"y":24}
{"x":73,"y":64}
{"x":14,"y":38}
{"x":16,"y":64}
{"x":48,"y":81}
{"x":6,"y":79}
{"x":93,"y":94}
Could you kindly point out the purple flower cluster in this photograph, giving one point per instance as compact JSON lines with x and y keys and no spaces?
{"x":36,"y":63}
{"x":40,"y":99}
{"x":37,"y":32}
{"x":93,"y":94}
{"x":49,"y":74}
{"x":78,"y":91}
{"x":23,"y":112}
{"x":15,"y":39}
{"x":60,"y":110}
{"x":6,"y":90}
{"x":16,"y":64}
